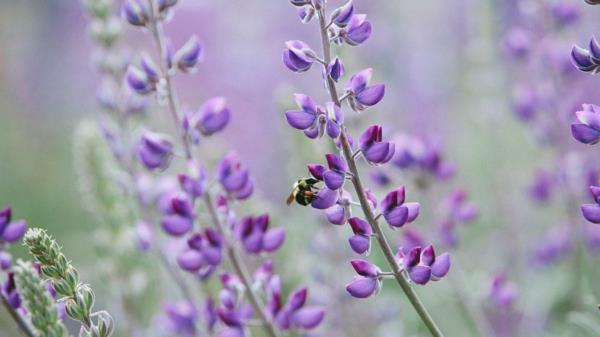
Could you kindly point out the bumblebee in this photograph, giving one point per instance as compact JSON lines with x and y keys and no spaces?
{"x":303,"y":191}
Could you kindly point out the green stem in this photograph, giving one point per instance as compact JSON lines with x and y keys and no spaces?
{"x":364,"y":203}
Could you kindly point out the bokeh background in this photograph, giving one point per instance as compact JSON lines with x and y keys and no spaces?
{"x":453,"y":75}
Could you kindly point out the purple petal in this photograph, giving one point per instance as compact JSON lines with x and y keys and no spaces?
{"x":308,"y":318}
{"x":379,"y":153}
{"x":413,"y":210}
{"x":337,"y":163}
{"x":359,"y":81}
{"x":360,"y":244}
{"x":334,"y":179}
{"x":299,"y":119}
{"x":325,"y":198}
{"x":589,"y":118}
{"x":336,"y":215}
{"x":359,"y":30}
{"x":591,"y":212}
{"x":362,"y":287}
{"x":397,"y":217}
{"x":273,"y":239}
{"x":371,"y":95}
{"x":420,"y":274}
{"x":190,"y":260}
{"x":428,"y":255}
{"x":306,"y":103}
{"x":176,"y":225}
{"x":584,"y":133}
{"x":441,"y":266}
{"x":253,"y":242}
{"x":14,"y":231}
{"x":316,"y":170}
{"x":365,"y":268}
{"x":298,"y":299}
{"x":360,"y":226}
{"x":393,"y":199}
{"x":236,"y":180}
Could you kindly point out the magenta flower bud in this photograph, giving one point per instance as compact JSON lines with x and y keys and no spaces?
{"x":308,"y":318}
{"x":5,"y":261}
{"x":138,"y":81}
{"x":358,"y":30}
{"x":343,"y":14}
{"x":365,"y":268}
{"x":337,"y":214}
{"x":212,"y":117}
{"x":135,"y":12}
{"x":373,"y":148}
{"x":362,"y":94}
{"x":335,"y":176}
{"x":298,"y":56}
{"x":335,"y":69}
{"x":180,"y":216}
{"x":189,"y":55}
{"x":316,"y":170}
{"x":582,"y":59}
{"x":325,"y":198}
{"x":587,"y":131}
{"x":395,"y":211}
{"x":154,"y":150}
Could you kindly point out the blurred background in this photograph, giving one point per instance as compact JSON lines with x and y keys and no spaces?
{"x":486,"y":85}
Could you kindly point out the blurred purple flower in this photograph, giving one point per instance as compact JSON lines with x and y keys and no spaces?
{"x":234,"y":177}
{"x":154,"y":150}
{"x":587,"y":131}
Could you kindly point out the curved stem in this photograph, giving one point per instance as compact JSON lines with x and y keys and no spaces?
{"x":242,"y":273}
{"x":360,"y":191}
{"x":23,"y":325}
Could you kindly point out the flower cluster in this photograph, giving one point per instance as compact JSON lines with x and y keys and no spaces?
{"x":457,"y":210}
{"x":327,"y":188}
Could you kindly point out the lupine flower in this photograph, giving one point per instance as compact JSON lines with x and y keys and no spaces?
{"x":587,"y":60}
{"x":335,"y":176}
{"x":325,"y":198}
{"x":373,"y":148}
{"x":307,"y":118}
{"x":360,"y":242}
{"x":135,"y":12}
{"x":298,"y":56}
{"x":553,"y":246}
{"x":343,"y":14}
{"x":565,"y":12}
{"x":357,"y":31}
{"x":10,"y":292}
{"x":368,"y":281}
{"x":339,"y":213}
{"x":591,"y":212}
{"x":335,"y":69}
{"x":10,"y":231}
{"x":542,"y":185}
{"x":363,"y":95}
{"x":525,"y":103}
{"x":193,"y":183}
{"x":587,"y":131}
{"x":234,"y":177}
{"x":188,"y":55}
{"x":457,"y":211}
{"x":138,"y":81}
{"x":295,"y":313}
{"x":395,"y":211}
{"x":423,"y":154}
{"x":5,"y":260}
{"x":255,"y":235}
{"x":517,"y":42}
{"x":334,"y":121}
{"x":502,"y":293}
{"x":144,"y":235}
{"x":182,"y":318}
{"x":422,"y":265}
{"x":204,"y":253}
{"x":306,"y":13}
{"x":155,"y":150}
{"x":150,"y":68}
{"x":212,"y":117}
{"x":179,"y":216}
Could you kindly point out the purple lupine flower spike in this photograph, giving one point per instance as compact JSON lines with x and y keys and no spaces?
{"x":188,"y":55}
{"x":135,"y":12}
{"x":155,"y":150}
{"x":335,"y":69}
{"x":334,"y":177}
{"x":395,"y":211}
{"x":363,"y":95}
{"x":358,"y":30}
{"x":298,"y":56}
{"x":342,"y":15}
{"x":373,"y":148}
{"x":587,"y":131}
{"x":212,"y":117}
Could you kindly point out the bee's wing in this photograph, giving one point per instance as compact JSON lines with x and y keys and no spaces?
{"x":291,"y":198}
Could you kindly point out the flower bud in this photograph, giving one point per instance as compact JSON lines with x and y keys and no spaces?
{"x":136,"y":13}
{"x":358,"y":30}
{"x":212,"y":117}
{"x":150,"y":68}
{"x":335,"y":69}
{"x":189,"y":55}
{"x":342,"y":15}
{"x":298,"y":56}
{"x":155,"y":151}
{"x":138,"y":81}
{"x":306,"y":13}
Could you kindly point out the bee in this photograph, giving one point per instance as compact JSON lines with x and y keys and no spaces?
{"x":303,"y":192}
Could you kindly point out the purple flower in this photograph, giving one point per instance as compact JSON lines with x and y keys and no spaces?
{"x":336,"y":175}
{"x":305,"y":118}
{"x":361,"y":94}
{"x":541,"y":188}
{"x":583,"y":59}
{"x":358,"y":30}
{"x":343,"y":14}
{"x":5,"y":260}
{"x":234,"y":177}
{"x":255,"y":235}
{"x":10,"y":292}
{"x":298,"y":56}
{"x":193,"y":183}
{"x":335,"y":119}
{"x":154,"y":150}
{"x":306,"y":13}
{"x":587,"y":131}
{"x":135,"y":12}
{"x":295,"y":313}
{"x":368,"y":281}
{"x":179,"y":217}
{"x":150,"y":68}
{"x":144,"y":236}
{"x":212,"y":117}
{"x":422,"y":265}
{"x":188,"y":55}
{"x":204,"y":253}
{"x":395,"y":211}
{"x":10,"y":232}
{"x":181,"y":318}
{"x":373,"y":148}
{"x":325,"y":198}
{"x":138,"y":81}
{"x":565,"y":13}
{"x":517,"y":42}
{"x":591,"y":212}
{"x":502,"y":293}
{"x":423,"y":154}
{"x":339,"y":213}
{"x":360,"y":242}
{"x":335,"y":69}
{"x":525,"y":103}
